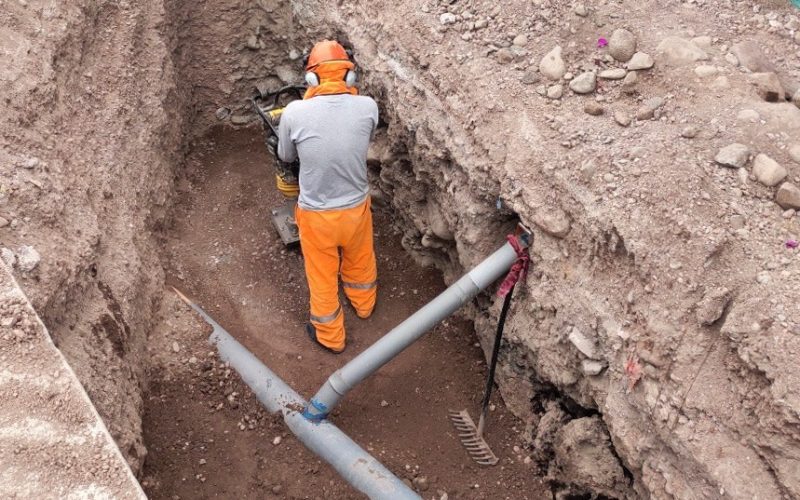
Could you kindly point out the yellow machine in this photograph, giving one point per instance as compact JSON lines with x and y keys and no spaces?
{"x":269,"y":107}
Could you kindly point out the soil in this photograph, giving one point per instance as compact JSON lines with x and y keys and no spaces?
{"x":224,"y":253}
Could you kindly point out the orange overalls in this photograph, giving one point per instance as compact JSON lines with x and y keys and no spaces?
{"x":334,"y":242}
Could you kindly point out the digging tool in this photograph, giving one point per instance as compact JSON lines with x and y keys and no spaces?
{"x":269,"y":107}
{"x":471,"y":435}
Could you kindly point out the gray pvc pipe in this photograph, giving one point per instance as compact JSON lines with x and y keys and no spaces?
{"x":355,"y":465}
{"x":407,"y":332}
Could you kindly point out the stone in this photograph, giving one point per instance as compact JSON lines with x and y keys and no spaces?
{"x":640,"y":60}
{"x":9,"y":257}
{"x":30,"y":163}
{"x":705,"y":70}
{"x":768,"y":86}
{"x":733,"y":155}
{"x":176,"y":347}
{"x":593,"y":108}
{"x":613,"y":74}
{"x":721,"y":83}
{"x":622,"y":118}
{"x":591,"y":367}
{"x":504,"y":56}
{"x":788,"y":196}
{"x":222,"y":113}
{"x":552,"y":220}
{"x":629,"y":82}
{"x":421,"y":482}
{"x":4,"y":222}
{"x":447,"y":18}
{"x":584,"y":83}
{"x":622,"y":45}
{"x":704,"y":42}
{"x":767,"y":171}
{"x":679,"y":51}
{"x":690,"y":132}
{"x":520,"y":40}
{"x":583,"y":343}
{"x":240,"y":119}
{"x":712,"y":305}
{"x":748,"y":115}
{"x":530,"y":77}
{"x":555,"y":91}
{"x":27,"y":258}
{"x":481,"y":23}
{"x":581,"y":10}
{"x":732,"y":59}
{"x":749,"y":55}
{"x":794,"y":153}
{"x":552,"y":65}
{"x":277,"y":440}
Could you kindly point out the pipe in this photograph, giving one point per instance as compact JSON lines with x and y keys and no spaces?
{"x":355,"y":465}
{"x":407,"y":332}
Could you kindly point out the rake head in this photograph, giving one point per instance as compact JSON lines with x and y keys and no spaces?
{"x":472,"y":439}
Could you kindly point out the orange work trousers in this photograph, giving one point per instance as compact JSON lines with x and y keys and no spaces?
{"x":323,"y":234}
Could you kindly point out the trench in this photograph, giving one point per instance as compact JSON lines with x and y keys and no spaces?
{"x":205,"y":433}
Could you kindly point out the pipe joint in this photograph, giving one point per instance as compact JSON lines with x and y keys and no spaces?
{"x":319,"y":414}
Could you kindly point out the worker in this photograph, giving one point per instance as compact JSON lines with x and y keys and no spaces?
{"x":330,"y":130}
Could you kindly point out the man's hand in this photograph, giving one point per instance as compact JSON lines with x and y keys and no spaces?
{"x":272,"y":145}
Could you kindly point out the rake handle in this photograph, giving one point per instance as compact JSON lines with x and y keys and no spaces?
{"x":487,"y":394}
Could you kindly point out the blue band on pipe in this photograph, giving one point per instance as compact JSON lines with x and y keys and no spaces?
{"x":316,"y":417}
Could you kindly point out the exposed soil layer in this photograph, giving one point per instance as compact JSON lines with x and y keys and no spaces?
{"x":206,"y":434}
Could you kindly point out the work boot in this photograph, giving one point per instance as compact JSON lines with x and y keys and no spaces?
{"x":312,"y":334}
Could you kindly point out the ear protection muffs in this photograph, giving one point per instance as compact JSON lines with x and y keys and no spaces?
{"x":312,"y":79}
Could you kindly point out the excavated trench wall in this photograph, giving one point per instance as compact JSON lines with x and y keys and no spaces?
{"x":104,"y":97}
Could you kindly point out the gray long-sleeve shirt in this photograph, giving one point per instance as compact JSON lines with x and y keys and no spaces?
{"x":330,"y":134}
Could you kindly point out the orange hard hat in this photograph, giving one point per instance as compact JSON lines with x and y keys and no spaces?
{"x":324,"y":51}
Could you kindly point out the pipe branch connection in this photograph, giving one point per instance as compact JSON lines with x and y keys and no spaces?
{"x":414,"y":327}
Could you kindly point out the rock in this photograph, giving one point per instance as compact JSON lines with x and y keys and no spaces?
{"x":768,"y":171}
{"x":731,"y":58}
{"x":750,"y":56}
{"x":613,"y":74}
{"x":253,"y":43}
{"x":584,"y":83}
{"x":705,"y":70}
{"x":520,"y":40}
{"x":583,"y":343}
{"x":593,"y":108}
{"x":622,"y":45}
{"x":481,"y":23}
{"x":552,"y":220}
{"x":713,"y":304}
{"x":733,"y":155}
{"x":447,"y":18}
{"x":276,"y":490}
{"x":9,"y":257}
{"x":29,"y":163}
{"x":555,"y":91}
{"x":796,"y":99}
{"x":679,"y":51}
{"x":222,"y":113}
{"x":277,"y":440}
{"x":649,"y":107}
{"x":27,"y":258}
{"x":721,"y":83}
{"x":552,"y":65}
{"x":176,"y":347}
{"x":421,"y":482}
{"x":4,"y":222}
{"x":690,"y":132}
{"x":768,"y":86}
{"x":384,"y":403}
{"x":591,"y":367}
{"x":622,"y":118}
{"x":629,"y":82}
{"x":530,"y":77}
{"x":704,"y":42}
{"x":748,"y":115}
{"x":788,"y":196}
{"x":581,"y":10}
{"x":640,"y":60}
{"x":240,"y":119}
{"x":504,"y":56}
{"x":794,"y":153}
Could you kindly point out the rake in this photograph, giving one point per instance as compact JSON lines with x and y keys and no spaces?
{"x":471,"y":435}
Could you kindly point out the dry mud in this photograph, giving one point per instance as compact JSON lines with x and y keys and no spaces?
{"x":653,"y":350}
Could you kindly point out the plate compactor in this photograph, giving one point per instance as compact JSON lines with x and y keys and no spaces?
{"x":269,"y":107}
